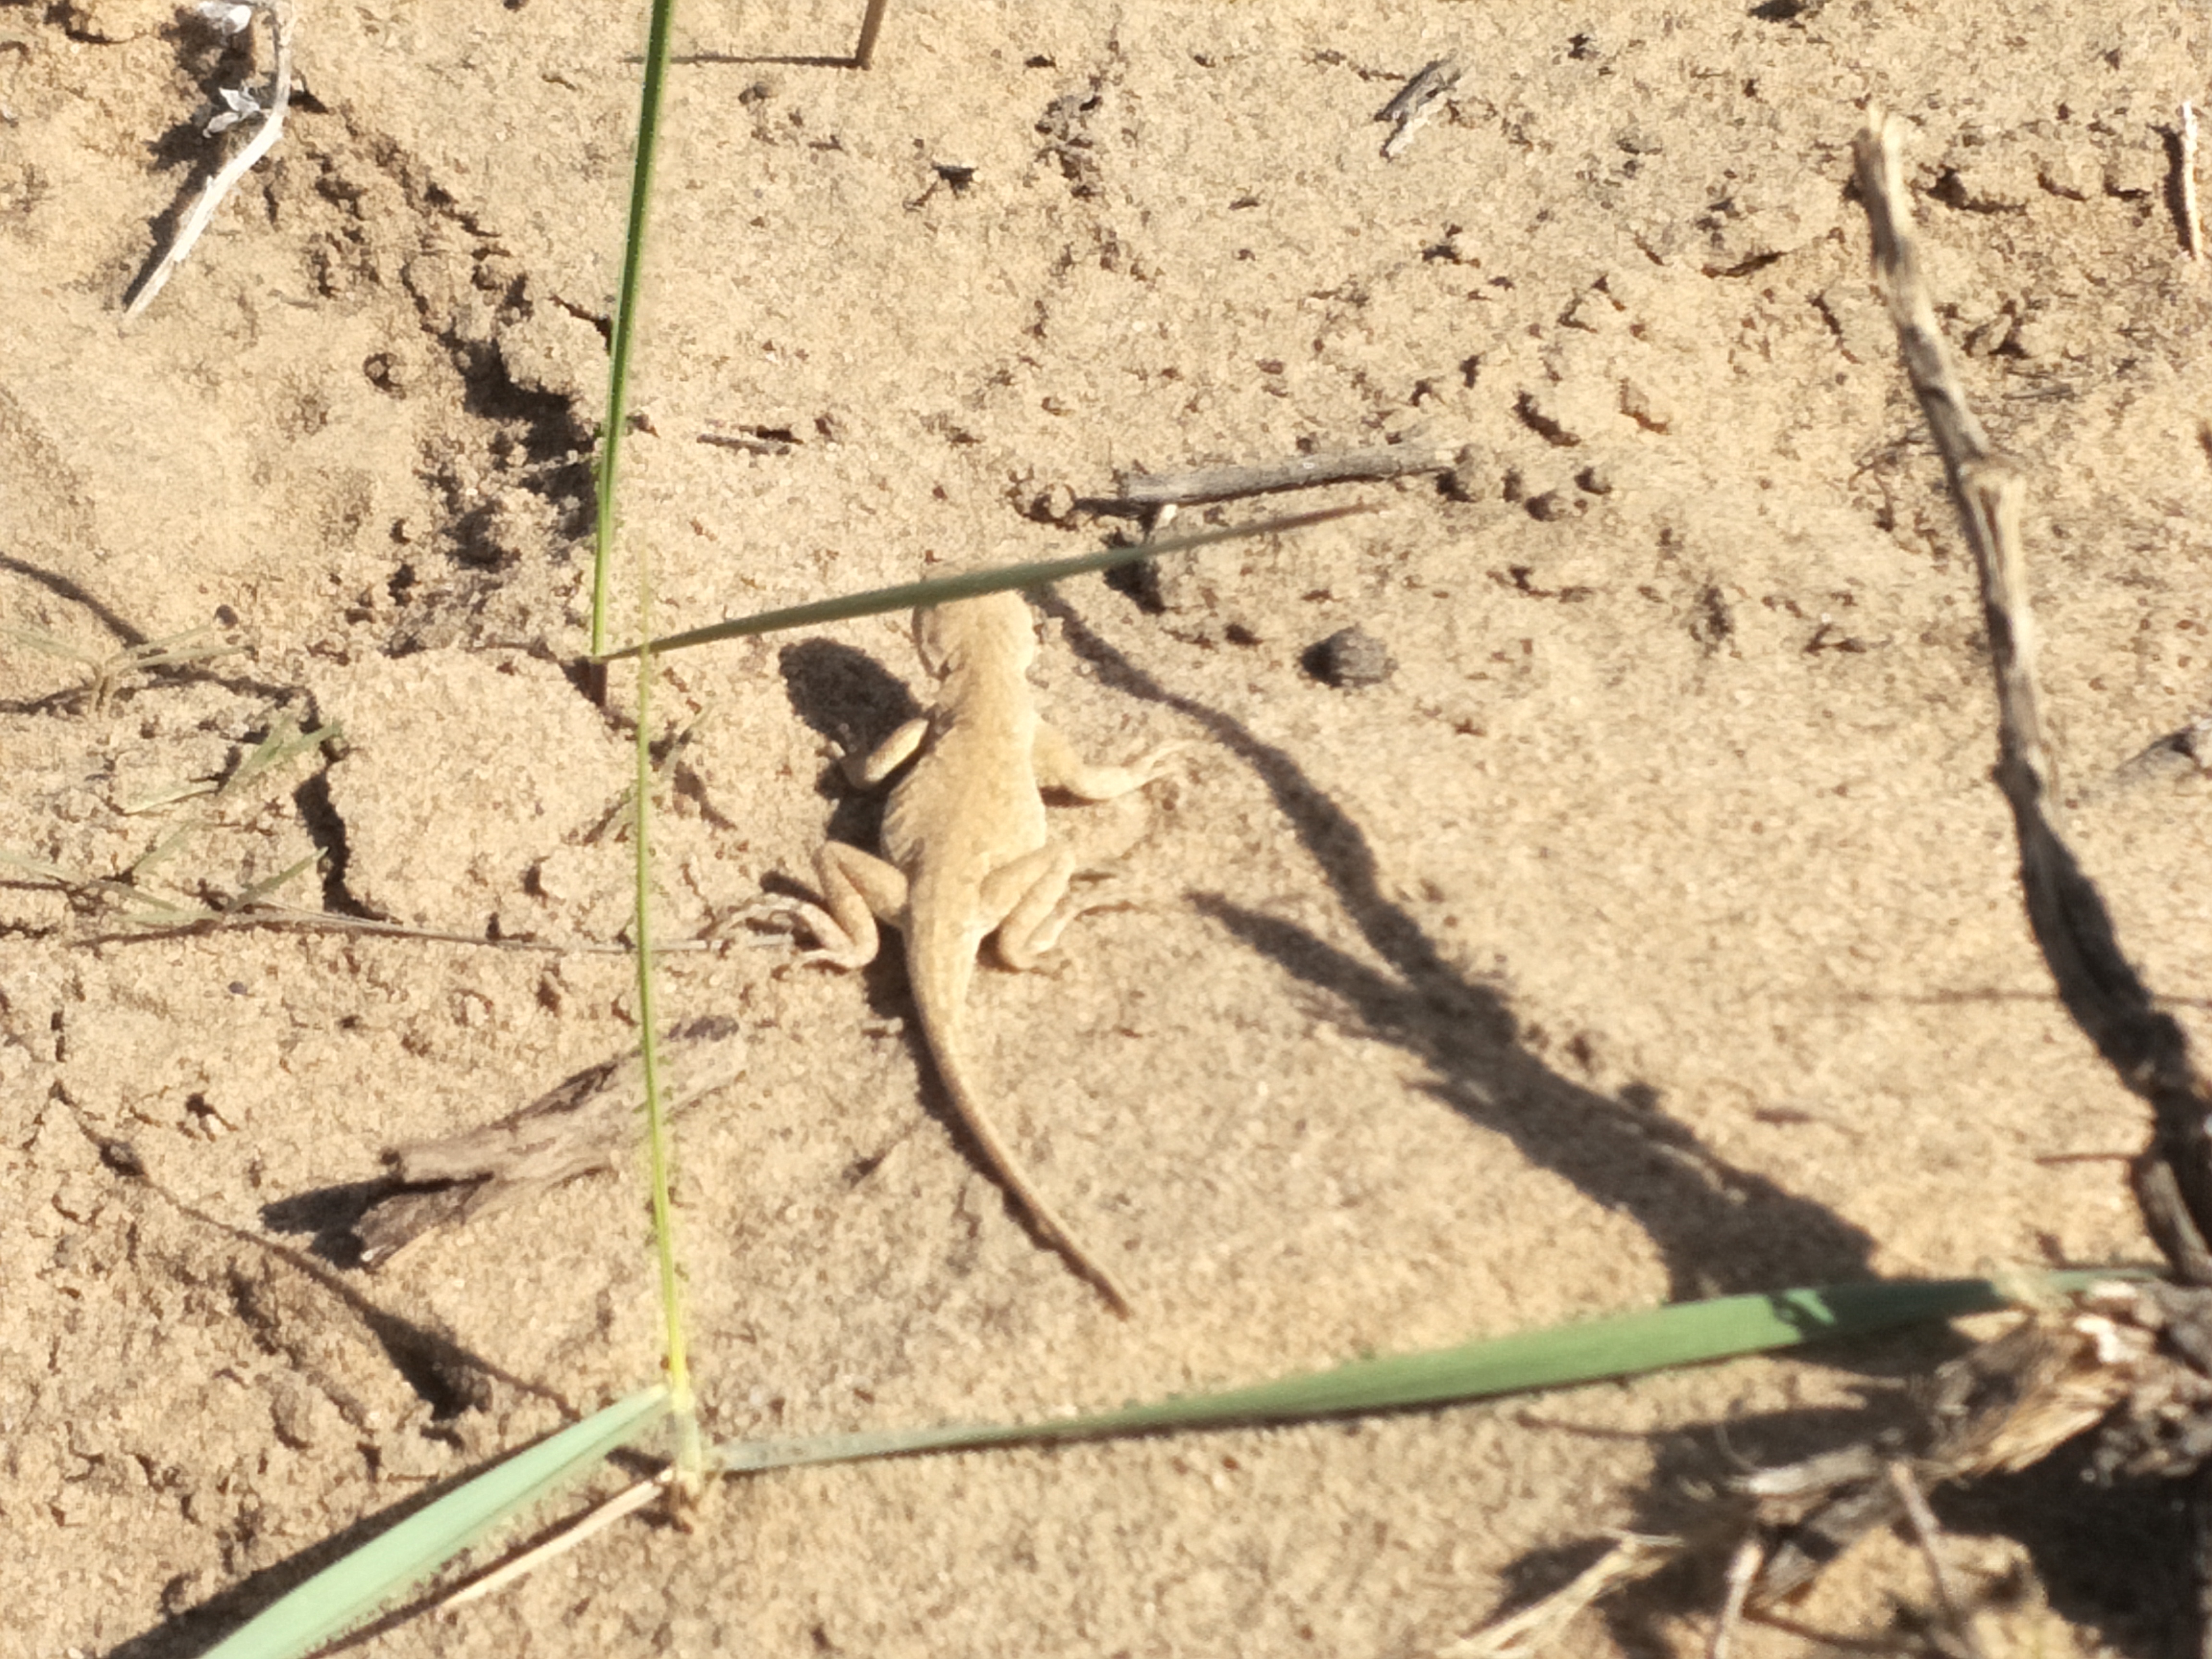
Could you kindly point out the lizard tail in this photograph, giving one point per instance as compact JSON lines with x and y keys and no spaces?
{"x":940,"y":1023}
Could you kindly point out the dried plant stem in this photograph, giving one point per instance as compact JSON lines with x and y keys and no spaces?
{"x":1743,"y":1573}
{"x":1927,"y":1533}
{"x":629,"y":1501}
{"x":1536,"y":1628}
{"x":1409,"y":111}
{"x":1142,"y":492}
{"x":2106,"y":997}
{"x":871,"y":25}
{"x":2192,"y":229}
{"x":283,"y":21}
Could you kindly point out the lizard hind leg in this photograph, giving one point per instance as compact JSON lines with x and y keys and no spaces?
{"x":857,"y":891}
{"x":1029,"y":897}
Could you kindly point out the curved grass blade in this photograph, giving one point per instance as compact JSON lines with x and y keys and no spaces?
{"x":349,"y":1590}
{"x":906,"y":596}
{"x":1625,"y":1345}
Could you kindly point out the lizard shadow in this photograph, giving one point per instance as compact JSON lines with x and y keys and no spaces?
{"x":850,"y":699}
{"x":1719,"y":1228}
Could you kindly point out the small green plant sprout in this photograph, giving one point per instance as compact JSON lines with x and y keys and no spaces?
{"x":106,"y":675}
{"x":129,"y":899}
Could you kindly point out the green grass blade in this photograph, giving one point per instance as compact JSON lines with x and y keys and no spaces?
{"x":121,"y":892}
{"x":200,"y":644}
{"x":970,"y":584}
{"x":626,"y":304}
{"x":1626,"y":1344}
{"x":259,"y":892}
{"x":691,"y":1455}
{"x":349,"y":1590}
{"x":37,"y":867}
{"x":285,"y":740}
{"x":689,"y":1452}
{"x":168,"y":797}
{"x":168,"y":848}
{"x":37,"y":639}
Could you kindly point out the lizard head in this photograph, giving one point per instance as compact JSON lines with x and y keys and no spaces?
{"x":994,"y":629}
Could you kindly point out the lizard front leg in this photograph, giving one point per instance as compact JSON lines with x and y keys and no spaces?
{"x":1057,"y":765}
{"x":859,"y":890}
{"x":867,"y":771}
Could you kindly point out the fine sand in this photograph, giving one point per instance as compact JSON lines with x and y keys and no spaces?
{"x":1648,"y":931}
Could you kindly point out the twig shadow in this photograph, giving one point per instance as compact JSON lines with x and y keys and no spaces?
{"x":1718,"y":1228}
{"x":68,"y":588}
{"x":326,"y":1216}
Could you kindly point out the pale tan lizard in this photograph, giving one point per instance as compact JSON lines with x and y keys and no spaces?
{"x":967,"y":855}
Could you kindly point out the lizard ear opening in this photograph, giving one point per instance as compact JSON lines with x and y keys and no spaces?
{"x":930,"y":640}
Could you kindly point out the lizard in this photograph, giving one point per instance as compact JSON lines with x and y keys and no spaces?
{"x":967,"y":856}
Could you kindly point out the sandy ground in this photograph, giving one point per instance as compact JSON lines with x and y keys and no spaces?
{"x":1650,"y":931}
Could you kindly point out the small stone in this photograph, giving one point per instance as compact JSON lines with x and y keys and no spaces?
{"x":291,"y":1411}
{"x":1055,"y":506}
{"x":1349,"y":658}
{"x":2135,"y":170}
{"x":1469,"y":479}
{"x":1595,"y":480}
{"x":1647,"y":408}
{"x":185,"y":1590}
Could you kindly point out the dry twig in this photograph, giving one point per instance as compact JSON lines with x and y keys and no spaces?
{"x":1743,"y":1573}
{"x":283,"y":23}
{"x":2103,"y":992}
{"x":2133,"y":1360}
{"x":594,"y":1521}
{"x":1416,"y":100}
{"x":1927,"y":1533}
{"x":1633,"y":1556}
{"x":583,"y":1124}
{"x":2192,"y":230}
{"x":871,"y":25}
{"x":1144,"y":493}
